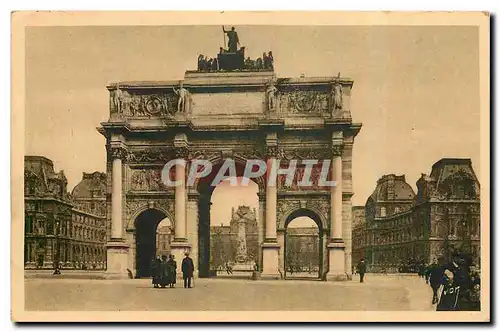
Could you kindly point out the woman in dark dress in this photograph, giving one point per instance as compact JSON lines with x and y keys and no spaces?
{"x":155,"y":270}
{"x":172,"y":271}
{"x":164,"y":272}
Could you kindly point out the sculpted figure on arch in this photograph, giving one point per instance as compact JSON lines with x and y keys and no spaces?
{"x":183,"y":98}
{"x":272,"y":92}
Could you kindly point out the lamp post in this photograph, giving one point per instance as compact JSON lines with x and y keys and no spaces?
{"x":57,"y":253}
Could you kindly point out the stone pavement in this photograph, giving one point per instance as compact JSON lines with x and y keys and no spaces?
{"x":390,"y":292}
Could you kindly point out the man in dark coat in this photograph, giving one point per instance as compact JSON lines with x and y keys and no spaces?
{"x":172,"y":271}
{"x":187,"y":270}
{"x":455,"y":295}
{"x":164,"y":272}
{"x":436,"y":279}
{"x":155,"y":272}
{"x":361,"y":270}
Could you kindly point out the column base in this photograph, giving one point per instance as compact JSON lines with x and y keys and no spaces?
{"x":48,"y":265}
{"x":178,"y":248}
{"x":117,"y":261}
{"x":270,"y":261}
{"x":336,"y":261}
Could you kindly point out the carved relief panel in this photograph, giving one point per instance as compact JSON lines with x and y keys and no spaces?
{"x":154,"y":103}
{"x":296,"y":100}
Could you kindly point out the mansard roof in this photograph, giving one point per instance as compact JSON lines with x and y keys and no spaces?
{"x":392,"y":187}
{"x":92,"y":184}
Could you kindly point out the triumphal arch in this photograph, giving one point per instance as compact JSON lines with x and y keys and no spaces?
{"x":239,"y":112}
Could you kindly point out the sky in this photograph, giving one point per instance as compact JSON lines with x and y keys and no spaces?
{"x":416,"y":89}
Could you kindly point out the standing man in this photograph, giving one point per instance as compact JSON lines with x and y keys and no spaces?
{"x":436,"y":278}
{"x":233,"y":41}
{"x":187,"y":270}
{"x":361,"y":270}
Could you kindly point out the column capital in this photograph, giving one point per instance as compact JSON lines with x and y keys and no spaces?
{"x":117,"y":151}
{"x":271,"y":151}
{"x":337,"y":150}
{"x":181,"y":152}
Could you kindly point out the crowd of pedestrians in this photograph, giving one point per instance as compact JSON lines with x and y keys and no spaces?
{"x":455,"y":285}
{"x":164,"y":271}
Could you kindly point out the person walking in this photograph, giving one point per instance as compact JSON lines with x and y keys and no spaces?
{"x":435,"y":279}
{"x":187,"y":270}
{"x":361,"y":270}
{"x":172,"y":271}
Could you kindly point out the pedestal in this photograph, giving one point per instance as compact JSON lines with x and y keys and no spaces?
{"x":117,"y":260}
{"x":270,"y":261}
{"x":336,"y":261}
{"x":245,"y":266}
{"x":48,"y":265}
{"x":178,"y":249}
{"x":30,"y":266}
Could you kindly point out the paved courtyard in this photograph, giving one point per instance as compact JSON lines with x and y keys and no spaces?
{"x":389,"y":292}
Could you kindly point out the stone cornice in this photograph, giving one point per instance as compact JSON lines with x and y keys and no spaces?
{"x":243,"y":79}
{"x":149,"y":194}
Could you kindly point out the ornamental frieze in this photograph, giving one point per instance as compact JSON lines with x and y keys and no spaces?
{"x":302,"y":154}
{"x":246,"y":153}
{"x":203,"y":155}
{"x":150,"y":155}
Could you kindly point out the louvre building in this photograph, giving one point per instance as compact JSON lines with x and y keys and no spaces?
{"x":399,"y":229}
{"x":59,"y":226}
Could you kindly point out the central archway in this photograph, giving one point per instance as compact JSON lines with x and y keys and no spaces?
{"x":207,"y":265}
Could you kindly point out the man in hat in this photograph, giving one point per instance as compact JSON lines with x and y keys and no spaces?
{"x":187,"y":270}
{"x":361,"y":270}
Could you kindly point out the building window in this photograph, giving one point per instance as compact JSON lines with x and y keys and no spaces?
{"x":382,"y":212}
{"x":50,"y":228}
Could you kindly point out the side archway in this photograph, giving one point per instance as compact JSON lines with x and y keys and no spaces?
{"x":304,"y":247}
{"x":145,"y":226}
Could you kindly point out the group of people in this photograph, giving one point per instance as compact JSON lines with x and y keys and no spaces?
{"x":164,"y":271}
{"x":454,"y":285}
{"x":266,"y":62}
{"x":206,"y":64}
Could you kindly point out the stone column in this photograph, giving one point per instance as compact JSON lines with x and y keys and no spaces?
{"x":117,"y":248}
{"x":180,"y":203}
{"x":180,"y":244}
{"x":336,"y":247}
{"x":192,"y":227}
{"x":271,"y":247}
{"x":261,"y":224}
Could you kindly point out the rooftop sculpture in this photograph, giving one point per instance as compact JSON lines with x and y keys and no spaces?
{"x":233,"y":59}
